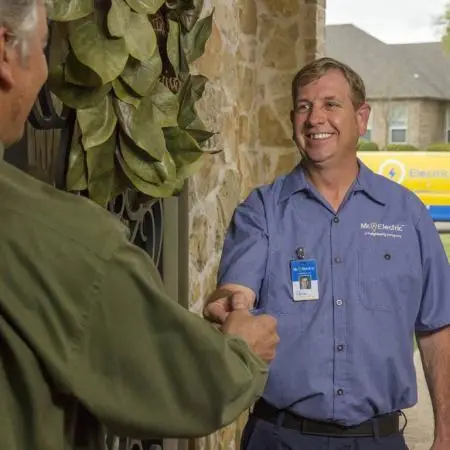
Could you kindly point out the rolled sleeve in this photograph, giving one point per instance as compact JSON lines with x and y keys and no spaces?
{"x":245,"y":249}
{"x":434,"y":311}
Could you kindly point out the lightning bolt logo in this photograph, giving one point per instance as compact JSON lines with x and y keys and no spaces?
{"x":392,"y":173}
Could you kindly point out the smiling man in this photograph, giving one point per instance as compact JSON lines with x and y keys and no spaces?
{"x":378,"y":273}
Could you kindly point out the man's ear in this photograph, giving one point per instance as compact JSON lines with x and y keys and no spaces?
{"x":6,"y":59}
{"x":362,"y":115}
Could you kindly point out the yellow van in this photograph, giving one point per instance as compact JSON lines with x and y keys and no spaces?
{"x":425,"y":173}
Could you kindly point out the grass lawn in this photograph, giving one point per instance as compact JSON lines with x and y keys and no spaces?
{"x":446,"y":240}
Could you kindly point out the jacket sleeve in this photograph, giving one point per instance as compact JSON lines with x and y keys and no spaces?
{"x":146,"y":367}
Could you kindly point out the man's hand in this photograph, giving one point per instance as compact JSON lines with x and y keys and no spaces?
{"x":227,"y":299}
{"x":259,"y":332}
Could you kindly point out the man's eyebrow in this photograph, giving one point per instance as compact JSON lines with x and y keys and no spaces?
{"x":334,"y":98}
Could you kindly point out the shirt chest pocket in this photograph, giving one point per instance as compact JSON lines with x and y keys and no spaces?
{"x":385,"y":278}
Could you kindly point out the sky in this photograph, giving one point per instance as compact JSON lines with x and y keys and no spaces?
{"x":391,"y":21}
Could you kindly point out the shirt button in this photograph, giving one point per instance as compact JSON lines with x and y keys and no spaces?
{"x":340,"y":347}
{"x":336,"y":220}
{"x":340,"y":392}
{"x":387,"y":256}
{"x":339,"y":302}
{"x":337,"y":260}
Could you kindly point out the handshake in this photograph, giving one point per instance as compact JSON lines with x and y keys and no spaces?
{"x":231,"y":310}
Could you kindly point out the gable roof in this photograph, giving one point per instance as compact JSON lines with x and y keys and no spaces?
{"x":391,"y":70}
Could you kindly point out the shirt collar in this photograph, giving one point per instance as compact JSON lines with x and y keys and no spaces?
{"x":366,"y":182}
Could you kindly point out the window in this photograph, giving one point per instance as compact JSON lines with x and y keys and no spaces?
{"x":447,"y":125}
{"x":398,"y":124}
{"x":368,"y":135}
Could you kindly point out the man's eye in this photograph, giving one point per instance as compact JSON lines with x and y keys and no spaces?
{"x":332,"y":105}
{"x":303,"y":108}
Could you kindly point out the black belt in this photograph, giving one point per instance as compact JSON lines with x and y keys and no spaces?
{"x":384,"y":425}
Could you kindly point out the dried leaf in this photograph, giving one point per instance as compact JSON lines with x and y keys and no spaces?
{"x":153,"y":190}
{"x":145,"y":6}
{"x":142,"y":127}
{"x":66,"y":10}
{"x":97,"y":123}
{"x":93,"y":48}
{"x":79,"y":74}
{"x":141,"y":76}
{"x":190,"y":93}
{"x":194,"y":41}
{"x":124,"y":93}
{"x":101,"y":171}
{"x":76,"y":179}
{"x":118,"y":18}
{"x":166,"y":106}
{"x":140,"y":38}
{"x":76,"y":97}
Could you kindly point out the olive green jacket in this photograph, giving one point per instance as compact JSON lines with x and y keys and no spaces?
{"x":85,"y":325}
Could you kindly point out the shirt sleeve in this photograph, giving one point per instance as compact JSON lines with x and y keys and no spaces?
{"x":146,"y":367}
{"x":245,"y":250}
{"x":434,"y":311}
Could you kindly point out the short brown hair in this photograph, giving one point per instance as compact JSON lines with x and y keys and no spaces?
{"x":317,"y":69}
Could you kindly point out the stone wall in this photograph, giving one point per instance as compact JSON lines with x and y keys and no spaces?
{"x":255,"y":49}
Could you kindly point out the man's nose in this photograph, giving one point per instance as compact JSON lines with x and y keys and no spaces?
{"x":316,"y":116}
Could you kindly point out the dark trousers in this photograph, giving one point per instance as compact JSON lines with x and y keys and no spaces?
{"x":261,"y":435}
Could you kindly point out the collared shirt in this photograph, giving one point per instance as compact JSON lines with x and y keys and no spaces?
{"x":383,"y":274}
{"x":84,"y":320}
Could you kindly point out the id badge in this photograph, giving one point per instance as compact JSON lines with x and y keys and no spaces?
{"x":305,"y":285}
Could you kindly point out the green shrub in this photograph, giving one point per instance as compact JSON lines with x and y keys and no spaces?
{"x":368,"y":146}
{"x":440,"y":147}
{"x":401,"y":148}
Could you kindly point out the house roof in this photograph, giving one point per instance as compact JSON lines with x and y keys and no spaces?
{"x":391,"y":70}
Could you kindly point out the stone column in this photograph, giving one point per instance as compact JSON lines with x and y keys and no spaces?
{"x":255,"y":49}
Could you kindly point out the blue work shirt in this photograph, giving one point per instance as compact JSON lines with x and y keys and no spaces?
{"x":383,"y":273}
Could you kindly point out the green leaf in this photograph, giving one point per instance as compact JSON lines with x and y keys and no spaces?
{"x":140,"y":38}
{"x":76,"y":97}
{"x":190,"y":93}
{"x":138,"y":161}
{"x":194,"y":41}
{"x":118,"y":18}
{"x":153,"y":190}
{"x":145,"y":6}
{"x":140,"y":125}
{"x":76,"y":179}
{"x":173,"y":45}
{"x":184,"y":150}
{"x":97,"y":123}
{"x":101,"y":171}
{"x":166,"y":105}
{"x":141,"y":76}
{"x":185,"y":12}
{"x":200,"y":135}
{"x":66,"y":10}
{"x":93,"y":48}
{"x":77,"y":73}
{"x":124,"y":93}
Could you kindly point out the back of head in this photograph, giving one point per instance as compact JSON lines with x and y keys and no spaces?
{"x":19,"y":17}
{"x":316,"y":69}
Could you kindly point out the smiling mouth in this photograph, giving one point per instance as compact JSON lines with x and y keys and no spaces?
{"x":318,"y":136}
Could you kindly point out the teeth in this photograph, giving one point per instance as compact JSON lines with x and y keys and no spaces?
{"x":320,"y":135}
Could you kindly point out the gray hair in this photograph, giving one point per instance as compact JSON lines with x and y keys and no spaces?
{"x":20,"y":18}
